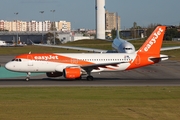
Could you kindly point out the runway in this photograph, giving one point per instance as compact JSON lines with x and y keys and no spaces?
{"x":166,"y":73}
{"x":80,"y":83}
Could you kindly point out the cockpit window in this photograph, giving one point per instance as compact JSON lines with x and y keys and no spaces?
{"x":18,"y":60}
{"x":127,"y":48}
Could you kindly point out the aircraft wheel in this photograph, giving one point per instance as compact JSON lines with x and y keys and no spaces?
{"x":27,"y":79}
{"x":90,"y":78}
{"x":28,"y":76}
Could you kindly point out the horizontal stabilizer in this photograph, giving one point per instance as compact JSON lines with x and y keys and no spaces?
{"x":158,"y":59}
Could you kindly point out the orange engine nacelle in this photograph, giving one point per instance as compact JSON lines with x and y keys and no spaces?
{"x":72,"y":73}
{"x":54,"y":74}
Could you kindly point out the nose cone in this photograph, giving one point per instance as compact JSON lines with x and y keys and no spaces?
{"x":9,"y":66}
{"x":128,"y":47}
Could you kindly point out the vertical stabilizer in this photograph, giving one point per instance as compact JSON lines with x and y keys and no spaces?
{"x":154,"y":42}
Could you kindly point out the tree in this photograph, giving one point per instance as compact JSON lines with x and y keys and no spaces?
{"x":53,"y":27}
{"x":171,"y":33}
{"x":135,"y":30}
{"x":113,"y":33}
{"x":134,"y":25}
{"x":50,"y":38}
{"x":151,"y":28}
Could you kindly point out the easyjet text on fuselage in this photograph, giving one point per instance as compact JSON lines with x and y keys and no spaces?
{"x":48,"y":57}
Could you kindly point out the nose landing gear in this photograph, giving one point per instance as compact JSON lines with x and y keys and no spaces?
{"x":28,"y":76}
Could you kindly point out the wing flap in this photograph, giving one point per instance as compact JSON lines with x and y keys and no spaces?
{"x":158,"y":59}
{"x":95,"y":66}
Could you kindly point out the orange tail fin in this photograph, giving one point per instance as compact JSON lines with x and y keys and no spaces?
{"x":154,"y":42}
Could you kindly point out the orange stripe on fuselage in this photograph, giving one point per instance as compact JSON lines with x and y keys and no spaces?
{"x":53,"y":58}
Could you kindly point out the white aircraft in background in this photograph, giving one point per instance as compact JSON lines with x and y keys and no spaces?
{"x":74,"y":65}
{"x":3,"y":43}
{"x":121,"y":45}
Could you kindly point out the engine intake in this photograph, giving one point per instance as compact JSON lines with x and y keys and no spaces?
{"x":72,"y":73}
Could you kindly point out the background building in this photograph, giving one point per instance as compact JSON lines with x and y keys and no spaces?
{"x":33,"y":26}
{"x":111,"y":21}
{"x":64,"y":26}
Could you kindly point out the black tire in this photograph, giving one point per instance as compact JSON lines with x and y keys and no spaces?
{"x":27,"y":79}
{"x":90,"y":78}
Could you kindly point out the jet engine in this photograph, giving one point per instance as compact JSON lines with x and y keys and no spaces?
{"x":72,"y":73}
{"x":54,"y":74}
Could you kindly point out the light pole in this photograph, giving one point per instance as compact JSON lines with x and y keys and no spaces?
{"x":42,"y":26}
{"x":53,"y":25}
{"x":16,"y":27}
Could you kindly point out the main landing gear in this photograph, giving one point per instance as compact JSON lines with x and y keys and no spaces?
{"x":89,"y":77}
{"x":28,"y":76}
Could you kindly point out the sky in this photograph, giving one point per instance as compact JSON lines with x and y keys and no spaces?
{"x":81,"y":13}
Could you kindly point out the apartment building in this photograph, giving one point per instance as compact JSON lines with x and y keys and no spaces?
{"x":23,"y":26}
{"x":34,"y":26}
{"x":7,"y":25}
{"x":13,"y":26}
{"x":111,"y":19}
{"x":64,"y":26}
{"x":1,"y":24}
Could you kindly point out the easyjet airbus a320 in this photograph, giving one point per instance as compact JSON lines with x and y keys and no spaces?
{"x":74,"y":65}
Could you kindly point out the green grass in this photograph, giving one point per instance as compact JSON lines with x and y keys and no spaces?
{"x":90,"y":103}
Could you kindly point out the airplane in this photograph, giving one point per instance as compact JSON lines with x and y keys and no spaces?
{"x":121,"y":45}
{"x":3,"y":43}
{"x":75,"y":65}
{"x":6,"y":44}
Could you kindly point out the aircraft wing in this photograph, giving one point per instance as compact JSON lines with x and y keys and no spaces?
{"x":170,"y":48}
{"x":73,"y":48}
{"x":123,"y":39}
{"x":133,"y":39}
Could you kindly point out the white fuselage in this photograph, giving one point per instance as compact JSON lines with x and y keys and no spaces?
{"x":46,"y":64}
{"x":123,"y":46}
{"x":3,"y":43}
